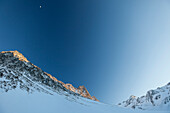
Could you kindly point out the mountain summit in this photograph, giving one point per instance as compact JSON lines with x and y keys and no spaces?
{"x":17,"y":72}
{"x":158,"y":99}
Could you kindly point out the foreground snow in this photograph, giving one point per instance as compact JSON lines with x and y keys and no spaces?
{"x":19,"y":101}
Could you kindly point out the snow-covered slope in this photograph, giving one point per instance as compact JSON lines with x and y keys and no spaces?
{"x":158,"y":99}
{"x":17,"y":71}
{"x":25,"y":88}
{"x":19,"y":101}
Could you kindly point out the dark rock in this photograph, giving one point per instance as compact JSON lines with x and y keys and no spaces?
{"x":1,"y":75}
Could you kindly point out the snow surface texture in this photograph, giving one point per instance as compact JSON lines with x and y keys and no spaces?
{"x":20,"y":101}
{"x":26,"y":89}
{"x":158,"y":99}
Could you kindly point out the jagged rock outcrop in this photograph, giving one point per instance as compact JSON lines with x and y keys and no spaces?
{"x":154,"y":99}
{"x":17,"y":72}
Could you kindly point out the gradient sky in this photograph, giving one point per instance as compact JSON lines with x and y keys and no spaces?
{"x":115,"y":48}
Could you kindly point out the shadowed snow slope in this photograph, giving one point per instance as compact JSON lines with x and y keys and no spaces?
{"x":25,"y":88}
{"x":20,"y":101}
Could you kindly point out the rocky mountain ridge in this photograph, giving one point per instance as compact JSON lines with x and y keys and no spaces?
{"x":154,"y":99}
{"x":17,"y":71}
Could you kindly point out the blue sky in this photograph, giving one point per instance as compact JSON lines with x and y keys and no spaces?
{"x":115,"y":48}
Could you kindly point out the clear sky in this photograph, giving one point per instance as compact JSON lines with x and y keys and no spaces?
{"x":115,"y":48}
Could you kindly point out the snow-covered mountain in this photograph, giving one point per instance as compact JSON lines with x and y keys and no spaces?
{"x":17,"y":71}
{"x":25,"y":88}
{"x":158,"y":99}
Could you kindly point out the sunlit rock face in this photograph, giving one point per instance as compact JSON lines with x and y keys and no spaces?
{"x":81,"y":90}
{"x":17,"y":72}
{"x":154,"y":99}
{"x":15,"y":54}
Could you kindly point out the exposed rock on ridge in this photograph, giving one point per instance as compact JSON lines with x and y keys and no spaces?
{"x":16,"y":64}
{"x":154,"y":99}
{"x":17,"y":55}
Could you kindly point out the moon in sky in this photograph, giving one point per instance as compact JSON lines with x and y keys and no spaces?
{"x":40,"y":6}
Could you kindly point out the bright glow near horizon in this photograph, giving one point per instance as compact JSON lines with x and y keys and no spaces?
{"x":147,"y":51}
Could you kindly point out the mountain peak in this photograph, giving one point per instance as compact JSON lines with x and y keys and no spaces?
{"x":17,"y":55}
{"x":154,"y":99}
{"x":10,"y":59}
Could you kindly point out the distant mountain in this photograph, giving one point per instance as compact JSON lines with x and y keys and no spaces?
{"x":158,"y":99}
{"x":17,"y":72}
